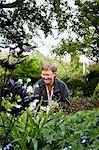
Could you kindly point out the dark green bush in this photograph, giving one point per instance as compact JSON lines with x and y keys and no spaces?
{"x":91,"y":80}
{"x":95,"y":95}
{"x":75,"y":85}
{"x":85,"y":84}
{"x":90,"y":86}
{"x":66,"y":79}
{"x":93,"y":73}
{"x":1,"y":76}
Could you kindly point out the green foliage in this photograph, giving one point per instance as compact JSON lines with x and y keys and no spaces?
{"x":90,"y":87}
{"x":67,"y":46}
{"x":61,"y":69}
{"x":88,"y":23}
{"x":76,"y":82}
{"x":20,"y":23}
{"x":74,"y":68}
{"x":30,"y":68}
{"x":17,"y":16}
{"x":41,"y":128}
{"x":91,"y":80}
{"x":75,"y":85}
{"x":95,"y":95}
{"x":84,"y":23}
{"x":68,"y":70}
{"x":45,"y":129}
{"x":23,"y":131}
{"x":66,"y":131}
{"x":1,"y":76}
{"x":26,"y":132}
{"x":93,"y":72}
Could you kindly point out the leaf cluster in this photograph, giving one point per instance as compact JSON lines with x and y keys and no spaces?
{"x":88,"y":20}
{"x":45,"y":130}
{"x":84,"y":23}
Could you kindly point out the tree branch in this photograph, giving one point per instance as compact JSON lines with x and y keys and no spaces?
{"x":17,"y":3}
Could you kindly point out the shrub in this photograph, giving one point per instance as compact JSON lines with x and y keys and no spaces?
{"x":78,"y":131}
{"x":40,"y":127}
{"x":95,"y":96}
{"x":75,"y":85}
{"x":93,"y":74}
{"x":30,"y":68}
{"x":47,"y":130}
{"x":90,"y":86}
{"x":91,"y":80}
{"x":1,"y":76}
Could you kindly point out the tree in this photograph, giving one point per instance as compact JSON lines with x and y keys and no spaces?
{"x":20,"y":20}
{"x":85,"y":23}
{"x":15,"y":17}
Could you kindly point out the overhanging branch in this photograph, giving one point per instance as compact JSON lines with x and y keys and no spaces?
{"x":17,"y":3}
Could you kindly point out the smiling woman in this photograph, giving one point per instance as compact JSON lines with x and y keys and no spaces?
{"x":48,"y":74}
{"x":50,"y":89}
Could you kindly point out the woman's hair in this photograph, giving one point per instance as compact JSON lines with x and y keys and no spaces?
{"x":49,"y":66}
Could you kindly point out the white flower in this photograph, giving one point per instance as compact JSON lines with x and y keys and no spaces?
{"x":55,"y":104}
{"x":43,"y":108}
{"x":11,"y":94}
{"x":20,"y":81}
{"x":17,"y":106}
{"x":42,"y":120}
{"x":28,"y":80}
{"x":83,"y":141}
{"x":65,"y":148}
{"x":8,"y":114}
{"x":24,"y":86}
{"x":30,"y":89}
{"x":36,"y":85}
{"x":47,"y":109}
{"x":33,"y":104}
{"x":70,"y":147}
{"x":36,"y":101}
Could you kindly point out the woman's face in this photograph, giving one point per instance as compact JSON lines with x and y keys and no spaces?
{"x":48,"y":76}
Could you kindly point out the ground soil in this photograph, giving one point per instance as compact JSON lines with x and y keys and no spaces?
{"x":77,"y":106}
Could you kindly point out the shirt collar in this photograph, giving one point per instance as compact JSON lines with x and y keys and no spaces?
{"x":56,"y":88}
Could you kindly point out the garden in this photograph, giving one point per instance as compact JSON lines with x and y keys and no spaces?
{"x":26,"y":124}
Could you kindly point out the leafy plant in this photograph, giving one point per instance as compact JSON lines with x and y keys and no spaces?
{"x":95,"y":95}
{"x":44,"y":128}
{"x":30,"y":68}
{"x":13,"y":101}
{"x":73,"y":131}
